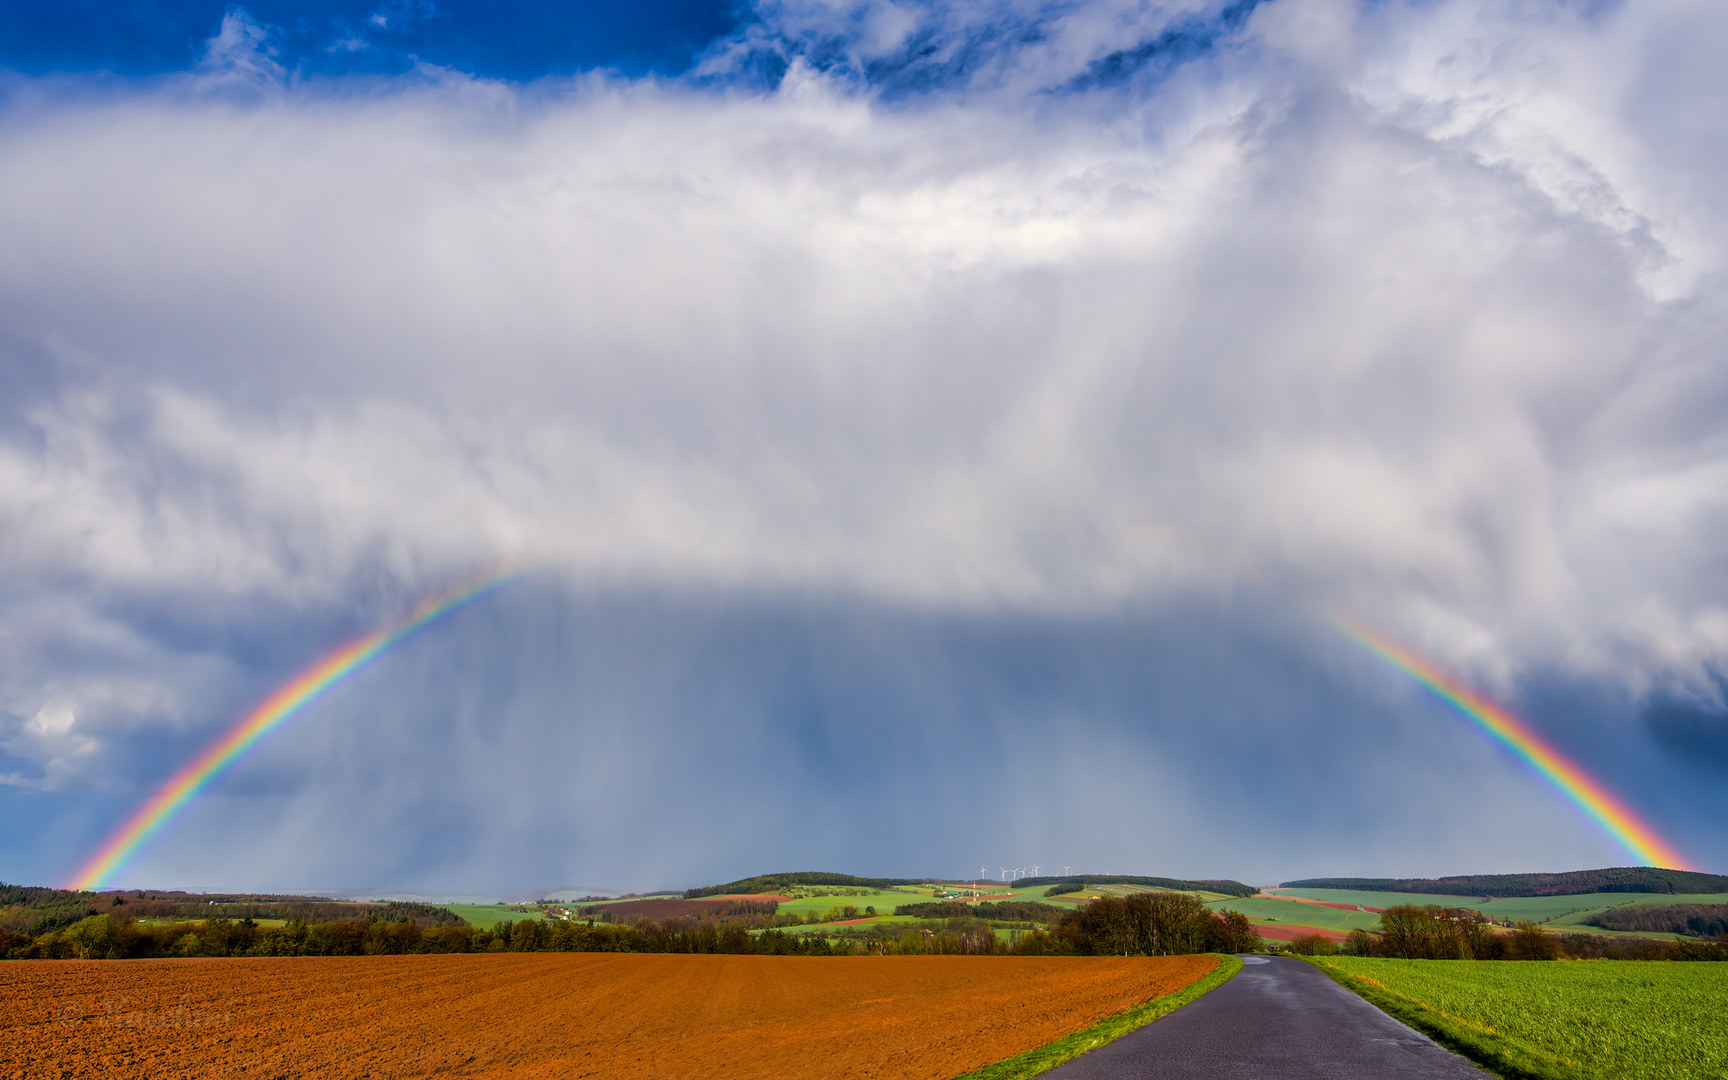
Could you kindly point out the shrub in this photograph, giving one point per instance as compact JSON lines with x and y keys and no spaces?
{"x":1313,"y":945}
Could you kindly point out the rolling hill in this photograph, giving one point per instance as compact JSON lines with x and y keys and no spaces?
{"x":1618,"y":879}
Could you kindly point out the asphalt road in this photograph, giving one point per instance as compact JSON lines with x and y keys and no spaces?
{"x":1278,"y":1020}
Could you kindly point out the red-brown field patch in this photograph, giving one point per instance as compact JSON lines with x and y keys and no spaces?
{"x":1291,"y":933}
{"x":559,"y":1015}
{"x":1324,"y":903}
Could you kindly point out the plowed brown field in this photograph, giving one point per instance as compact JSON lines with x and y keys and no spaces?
{"x":559,"y":1015}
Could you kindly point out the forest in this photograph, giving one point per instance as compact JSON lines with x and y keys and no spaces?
{"x":1224,"y":886}
{"x":1693,"y":920}
{"x":35,"y":910}
{"x":772,"y":883}
{"x":1631,"y":879}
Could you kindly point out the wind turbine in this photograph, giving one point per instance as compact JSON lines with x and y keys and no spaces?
{"x":1065,"y":870}
{"x":1004,"y":870}
{"x":1034,"y":869}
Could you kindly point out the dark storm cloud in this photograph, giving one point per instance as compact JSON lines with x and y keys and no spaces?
{"x":1693,"y":732}
{"x":639,"y":740}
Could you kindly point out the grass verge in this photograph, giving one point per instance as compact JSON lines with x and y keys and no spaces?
{"x":1507,"y":1058}
{"x":1050,"y":1055}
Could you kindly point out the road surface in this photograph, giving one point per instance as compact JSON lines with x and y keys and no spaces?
{"x":1280,"y":1019}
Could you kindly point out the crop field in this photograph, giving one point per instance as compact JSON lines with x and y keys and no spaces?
{"x":884,"y":901}
{"x":1292,"y":913}
{"x":1376,"y":899}
{"x":560,"y":1015}
{"x":1563,"y":913}
{"x":486,"y":916}
{"x":1626,"y":1019}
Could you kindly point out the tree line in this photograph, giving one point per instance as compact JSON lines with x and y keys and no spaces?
{"x":1141,"y":924}
{"x":103,"y":937}
{"x":773,"y":883}
{"x":1633,"y":879}
{"x":1225,"y":886}
{"x":1006,"y":910}
{"x":1433,"y":932}
{"x":1693,"y":920}
{"x":1144,"y":924}
{"x":36,"y":910}
{"x":1153,"y":924}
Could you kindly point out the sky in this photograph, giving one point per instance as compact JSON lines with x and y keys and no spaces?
{"x":937,"y":436}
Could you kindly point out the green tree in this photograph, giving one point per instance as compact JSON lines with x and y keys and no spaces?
{"x":90,"y":937}
{"x":1531,"y":942}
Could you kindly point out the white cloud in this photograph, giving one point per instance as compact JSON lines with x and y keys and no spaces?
{"x":241,"y":53}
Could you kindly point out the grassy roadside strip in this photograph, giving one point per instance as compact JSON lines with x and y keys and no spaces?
{"x":1050,"y":1055}
{"x":1510,"y":1059}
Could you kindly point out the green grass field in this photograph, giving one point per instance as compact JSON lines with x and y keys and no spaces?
{"x":1608,"y":1019}
{"x":884,"y":901}
{"x":1377,"y":899}
{"x":1291,"y":913}
{"x":1565,"y":914}
{"x":486,"y":916}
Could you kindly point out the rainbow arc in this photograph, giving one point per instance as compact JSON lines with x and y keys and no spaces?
{"x":286,"y":703}
{"x":1600,"y":805}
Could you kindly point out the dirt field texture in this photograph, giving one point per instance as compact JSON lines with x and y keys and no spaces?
{"x":559,"y":1015}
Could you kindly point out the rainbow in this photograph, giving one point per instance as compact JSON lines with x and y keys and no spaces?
{"x":278,"y":708}
{"x":1614,"y":816}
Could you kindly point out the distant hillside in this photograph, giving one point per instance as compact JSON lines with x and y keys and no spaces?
{"x":1693,"y":920}
{"x":1633,"y":879}
{"x":1228,"y":888}
{"x":767,"y":883}
{"x":36,"y":909}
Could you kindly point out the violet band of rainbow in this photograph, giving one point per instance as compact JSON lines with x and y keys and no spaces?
{"x":301,"y":691}
{"x":1615,"y":818}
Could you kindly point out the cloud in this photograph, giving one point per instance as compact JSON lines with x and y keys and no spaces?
{"x":1406,"y":310}
{"x":241,"y":52}
{"x":685,"y":741}
{"x":1692,"y":731}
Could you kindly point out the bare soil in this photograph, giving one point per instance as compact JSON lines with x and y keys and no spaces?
{"x":559,"y":1015}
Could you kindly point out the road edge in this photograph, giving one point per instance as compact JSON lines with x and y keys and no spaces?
{"x":1044,"y":1058}
{"x":1503,"y":1057}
